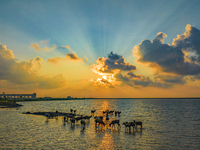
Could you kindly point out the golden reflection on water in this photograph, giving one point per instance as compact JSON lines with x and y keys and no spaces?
{"x":104,"y":105}
{"x":107,"y":105}
{"x":107,"y":142}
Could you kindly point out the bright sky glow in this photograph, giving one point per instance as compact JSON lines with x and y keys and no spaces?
{"x":107,"y":48}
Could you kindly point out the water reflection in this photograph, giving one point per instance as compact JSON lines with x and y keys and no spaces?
{"x":104,"y":105}
{"x":107,"y":142}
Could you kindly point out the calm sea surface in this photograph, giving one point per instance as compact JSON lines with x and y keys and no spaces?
{"x":167,"y":124}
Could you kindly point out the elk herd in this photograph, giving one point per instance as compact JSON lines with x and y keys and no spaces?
{"x":105,"y":120}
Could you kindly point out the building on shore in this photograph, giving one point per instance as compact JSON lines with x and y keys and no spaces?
{"x":18,"y":96}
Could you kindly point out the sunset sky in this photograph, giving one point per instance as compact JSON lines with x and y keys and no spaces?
{"x":100,"y":48}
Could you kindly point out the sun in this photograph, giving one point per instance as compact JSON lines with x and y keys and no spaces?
{"x":105,"y":77}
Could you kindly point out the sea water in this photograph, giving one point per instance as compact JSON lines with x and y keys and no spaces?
{"x":167,"y":124}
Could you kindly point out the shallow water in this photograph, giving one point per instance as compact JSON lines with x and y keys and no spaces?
{"x":167,"y":124}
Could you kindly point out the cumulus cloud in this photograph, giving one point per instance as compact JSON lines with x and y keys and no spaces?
{"x":125,"y":73}
{"x":69,"y":56}
{"x":23,"y":73}
{"x":113,"y":63}
{"x":171,"y":58}
{"x":108,"y":67}
{"x":111,"y":69}
{"x":189,"y":41}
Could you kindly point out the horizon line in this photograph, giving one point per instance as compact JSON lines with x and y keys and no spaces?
{"x":124,"y":98}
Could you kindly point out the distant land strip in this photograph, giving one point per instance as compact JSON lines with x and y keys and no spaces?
{"x":55,"y":99}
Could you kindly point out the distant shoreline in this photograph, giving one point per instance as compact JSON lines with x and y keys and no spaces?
{"x":56,"y":99}
{"x":154,"y":98}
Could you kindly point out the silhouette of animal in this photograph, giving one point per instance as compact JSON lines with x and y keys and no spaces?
{"x":107,"y":111}
{"x":138,"y":123}
{"x":101,"y":117}
{"x":111,"y":111}
{"x":74,"y":111}
{"x":77,"y":118}
{"x":129,"y":125}
{"x":86,"y":117}
{"x":99,"y":122}
{"x":93,"y":111}
{"x":117,"y":113}
{"x":114,"y":122}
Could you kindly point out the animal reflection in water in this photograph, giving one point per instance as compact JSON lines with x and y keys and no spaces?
{"x":83,"y":123}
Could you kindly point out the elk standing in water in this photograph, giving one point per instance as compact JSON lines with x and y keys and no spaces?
{"x":114,"y":122}
{"x":99,"y":121}
{"x":129,"y":125}
{"x":138,"y":123}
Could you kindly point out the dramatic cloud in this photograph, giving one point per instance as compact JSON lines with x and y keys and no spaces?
{"x":172,"y":58}
{"x":69,"y":56}
{"x":111,"y":70}
{"x":189,"y":41}
{"x":25,"y":72}
{"x":111,"y":78}
{"x":108,"y":67}
{"x":113,"y":63}
{"x":46,"y":49}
